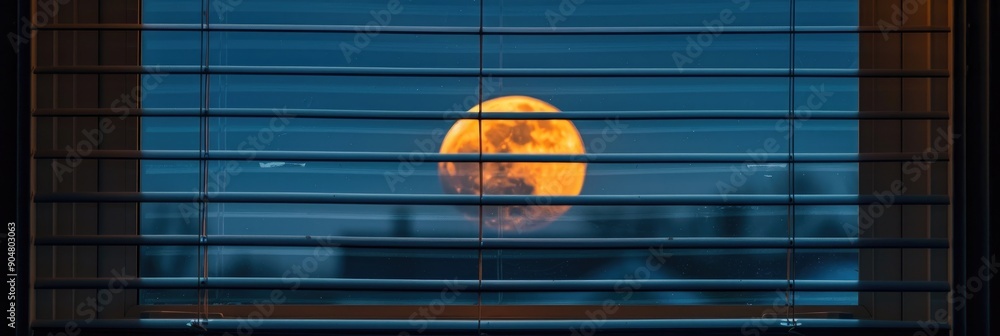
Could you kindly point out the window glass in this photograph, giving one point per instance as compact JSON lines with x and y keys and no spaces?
{"x":328,"y":92}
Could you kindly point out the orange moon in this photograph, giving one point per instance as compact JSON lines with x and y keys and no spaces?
{"x":514,"y":178}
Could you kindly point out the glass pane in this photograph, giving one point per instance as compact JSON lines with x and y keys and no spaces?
{"x":593,"y":221}
{"x":370,"y":14}
{"x":295,"y":100}
{"x":350,"y":220}
{"x":676,"y":51}
{"x":636,"y":13}
{"x":161,"y":48}
{"x":842,"y":13}
{"x":344,"y":49}
{"x":624,"y":269}
{"x":173,"y":11}
{"x":827,"y":51}
{"x":647,"y":94}
{"x":342,"y":93}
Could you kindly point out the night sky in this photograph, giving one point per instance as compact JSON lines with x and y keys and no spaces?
{"x":284,"y":131}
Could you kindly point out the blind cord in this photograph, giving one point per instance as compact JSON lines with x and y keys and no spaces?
{"x":479,"y":119}
{"x":790,"y":297}
{"x":203,"y":163}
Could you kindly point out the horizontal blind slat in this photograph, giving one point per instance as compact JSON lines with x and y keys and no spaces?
{"x":456,"y":115}
{"x":474,"y":72}
{"x":489,"y":243}
{"x":496,"y":157}
{"x":421,"y":285}
{"x":437,"y":199}
{"x":460,"y":30}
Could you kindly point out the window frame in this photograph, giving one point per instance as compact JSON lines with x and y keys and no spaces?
{"x":971,"y":156}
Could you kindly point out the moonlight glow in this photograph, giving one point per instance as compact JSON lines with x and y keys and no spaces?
{"x":514,"y":178}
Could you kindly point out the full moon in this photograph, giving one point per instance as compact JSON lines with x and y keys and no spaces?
{"x":514,"y":178}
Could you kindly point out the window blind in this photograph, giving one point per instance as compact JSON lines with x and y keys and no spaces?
{"x":278,"y":166}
